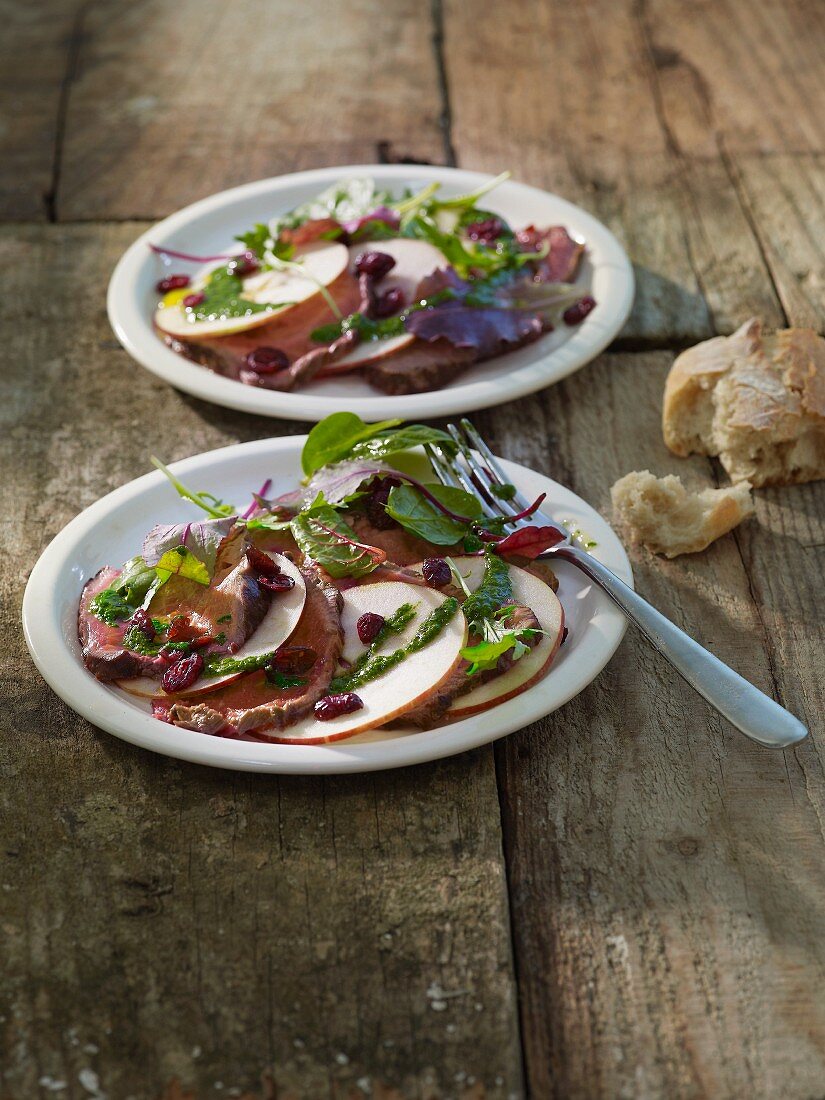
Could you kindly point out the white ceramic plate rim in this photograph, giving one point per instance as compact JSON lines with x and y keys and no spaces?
{"x":131,"y":322}
{"x":55,"y":650}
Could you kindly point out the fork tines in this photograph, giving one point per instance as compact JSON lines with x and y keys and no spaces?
{"x":477,"y":475}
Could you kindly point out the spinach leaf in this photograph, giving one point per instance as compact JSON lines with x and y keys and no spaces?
{"x":408,"y":506}
{"x":335,"y":436}
{"x":135,"y":581}
{"x":390,"y":443}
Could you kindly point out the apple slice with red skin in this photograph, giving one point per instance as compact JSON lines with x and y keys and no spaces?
{"x":400,"y":689}
{"x":274,"y":630}
{"x":528,"y":591}
{"x":324,"y":263}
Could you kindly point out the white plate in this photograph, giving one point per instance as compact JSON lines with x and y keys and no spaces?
{"x":209,"y":227}
{"x":108,"y":532}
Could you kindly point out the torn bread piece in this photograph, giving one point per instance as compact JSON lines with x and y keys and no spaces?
{"x":758,"y":402}
{"x":670,"y":519}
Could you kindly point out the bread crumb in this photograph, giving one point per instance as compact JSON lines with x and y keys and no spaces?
{"x":670,"y":519}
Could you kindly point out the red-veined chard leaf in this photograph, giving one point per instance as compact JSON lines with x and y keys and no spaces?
{"x":529,"y":542}
{"x":410,"y":507}
{"x":202,"y":539}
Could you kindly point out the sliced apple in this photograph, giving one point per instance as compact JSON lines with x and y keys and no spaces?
{"x":321,"y":264}
{"x":275,"y":628}
{"x":528,"y":591}
{"x":414,"y":260}
{"x":403,"y":687}
{"x":144,"y":687}
{"x":369,"y":352}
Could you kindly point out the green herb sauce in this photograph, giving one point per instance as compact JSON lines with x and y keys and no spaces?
{"x":495,"y":591}
{"x":378,"y":663}
{"x":222,"y":298}
{"x":110,"y":607}
{"x":222,"y":666}
{"x":394,"y":624}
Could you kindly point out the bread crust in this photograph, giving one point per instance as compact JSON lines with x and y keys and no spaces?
{"x":756,"y":401}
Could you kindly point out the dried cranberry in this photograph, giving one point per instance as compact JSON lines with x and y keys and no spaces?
{"x":486,"y":231}
{"x":192,"y":300}
{"x":279,"y":583}
{"x":266,"y":360}
{"x":374,"y":264}
{"x":368,"y":626}
{"x":262,"y":563}
{"x":376,"y":505}
{"x":182,"y":673}
{"x":172,"y":282}
{"x":246,"y":264}
{"x":436,"y":572}
{"x":333,"y":706}
{"x":141,"y":620}
{"x":577,"y":312}
{"x":293,"y":659}
{"x":385,"y":305}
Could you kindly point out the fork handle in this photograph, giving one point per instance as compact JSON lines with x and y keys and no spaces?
{"x":750,"y":710}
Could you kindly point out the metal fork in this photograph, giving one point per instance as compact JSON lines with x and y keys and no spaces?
{"x":748,"y":709}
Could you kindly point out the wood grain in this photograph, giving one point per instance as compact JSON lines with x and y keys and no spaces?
{"x":631,"y":110}
{"x":37,"y":53}
{"x":172,"y":102}
{"x":668,"y":900}
{"x":162,"y":921}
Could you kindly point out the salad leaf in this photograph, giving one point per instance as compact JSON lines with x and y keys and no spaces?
{"x":346,"y":201}
{"x":210,"y":504}
{"x":335,"y":436}
{"x":486,"y":611}
{"x":340,"y":480}
{"x":182,"y":563}
{"x":322,"y":535}
{"x":489,"y":330}
{"x":529,"y":542}
{"x":404,"y":439}
{"x":202,"y":538}
{"x":378,"y":220}
{"x":408,"y":506}
{"x":486,"y":654}
{"x":135,"y":581}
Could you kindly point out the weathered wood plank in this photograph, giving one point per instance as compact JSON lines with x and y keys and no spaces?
{"x":174,"y":101}
{"x":165,"y":921}
{"x":666,"y":875}
{"x":37,"y":48}
{"x":785,"y":198}
{"x":607,"y":111}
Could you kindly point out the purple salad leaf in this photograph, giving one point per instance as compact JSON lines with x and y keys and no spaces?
{"x":341,"y":479}
{"x":202,"y":539}
{"x":563,"y":257}
{"x":489,"y":331}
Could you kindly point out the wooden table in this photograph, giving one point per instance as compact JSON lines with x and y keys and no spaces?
{"x":624,"y":900}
